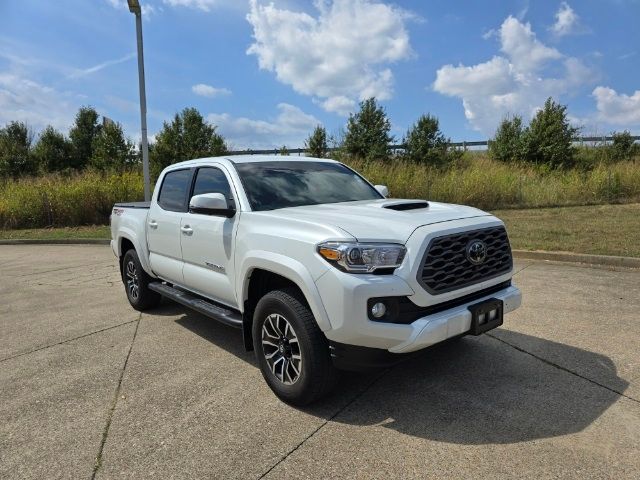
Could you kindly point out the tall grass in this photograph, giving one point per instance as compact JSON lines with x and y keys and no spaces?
{"x":87,"y":198}
{"x":59,"y":201}
{"x":487,"y":184}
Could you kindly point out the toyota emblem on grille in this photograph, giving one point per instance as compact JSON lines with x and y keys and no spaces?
{"x":477,"y":252}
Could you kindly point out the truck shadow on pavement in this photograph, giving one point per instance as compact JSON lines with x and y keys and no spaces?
{"x":479,"y":390}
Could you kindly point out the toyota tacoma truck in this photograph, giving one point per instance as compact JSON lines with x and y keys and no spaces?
{"x":319,"y":269}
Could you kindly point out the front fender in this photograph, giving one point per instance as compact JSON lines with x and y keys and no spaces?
{"x":288,"y":268}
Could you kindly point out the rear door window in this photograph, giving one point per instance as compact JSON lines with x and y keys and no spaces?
{"x":174,"y":190}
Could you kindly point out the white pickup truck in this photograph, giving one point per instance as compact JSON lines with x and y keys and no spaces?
{"x":317,"y":267}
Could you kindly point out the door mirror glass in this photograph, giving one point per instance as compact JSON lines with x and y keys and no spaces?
{"x":382,"y":190}
{"x":211,"y":204}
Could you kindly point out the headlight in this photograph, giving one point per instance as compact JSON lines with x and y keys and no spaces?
{"x":362,"y":257}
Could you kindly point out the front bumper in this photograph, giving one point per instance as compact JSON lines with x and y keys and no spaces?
{"x":450,"y":323}
{"x":345,"y":300}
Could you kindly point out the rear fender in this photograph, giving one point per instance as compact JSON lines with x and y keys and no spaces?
{"x":139,"y":244}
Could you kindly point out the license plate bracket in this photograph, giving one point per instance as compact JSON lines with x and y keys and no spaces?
{"x":486,"y":316}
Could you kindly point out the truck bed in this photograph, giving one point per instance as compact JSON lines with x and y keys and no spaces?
{"x":133,"y":205}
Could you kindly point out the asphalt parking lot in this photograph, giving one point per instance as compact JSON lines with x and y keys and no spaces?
{"x":89,"y":387}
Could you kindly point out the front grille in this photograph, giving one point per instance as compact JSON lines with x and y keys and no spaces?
{"x":446,"y":266}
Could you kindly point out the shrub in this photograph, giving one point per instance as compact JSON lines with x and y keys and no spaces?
{"x":623,"y":147}
{"x":368,"y":132}
{"x":549,"y":138}
{"x":316,"y":144}
{"x":426,"y":143}
{"x":506,"y":146}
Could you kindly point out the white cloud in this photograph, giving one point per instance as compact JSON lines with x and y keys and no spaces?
{"x":524,"y":50}
{"x":205,"y":90}
{"x":204,"y":5}
{"x":567,"y":21}
{"x":516,"y":82}
{"x":290,"y":127}
{"x":339,"y":56}
{"x":617,"y":108}
{"x":24,"y":100}
{"x":339,"y":104}
{"x":96,"y":68}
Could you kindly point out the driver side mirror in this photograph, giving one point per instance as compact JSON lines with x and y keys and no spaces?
{"x":382,"y":190}
{"x":211,"y":204}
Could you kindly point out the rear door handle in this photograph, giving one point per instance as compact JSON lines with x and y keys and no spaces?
{"x":153,"y":224}
{"x":187,"y":230}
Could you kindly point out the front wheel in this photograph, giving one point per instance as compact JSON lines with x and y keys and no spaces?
{"x":136,"y":282}
{"x":292,"y":352}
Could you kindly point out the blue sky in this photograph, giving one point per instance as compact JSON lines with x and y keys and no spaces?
{"x":267,"y":72}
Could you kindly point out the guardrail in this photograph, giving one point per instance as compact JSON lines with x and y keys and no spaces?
{"x":603,"y":140}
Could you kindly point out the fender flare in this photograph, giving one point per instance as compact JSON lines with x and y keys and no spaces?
{"x":288,"y":268}
{"x":141,"y":248}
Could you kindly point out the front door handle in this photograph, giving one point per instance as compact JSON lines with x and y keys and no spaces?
{"x":186,"y":230}
{"x":153,"y":224}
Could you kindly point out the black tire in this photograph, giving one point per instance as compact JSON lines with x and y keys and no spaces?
{"x":136,"y":283}
{"x":317,"y":375}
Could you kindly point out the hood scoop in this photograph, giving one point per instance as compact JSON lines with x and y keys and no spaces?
{"x":403,"y":206}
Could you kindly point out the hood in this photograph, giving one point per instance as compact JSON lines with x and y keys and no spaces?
{"x":380,"y":220}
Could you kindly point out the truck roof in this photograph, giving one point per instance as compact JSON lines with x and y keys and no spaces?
{"x":231,"y":159}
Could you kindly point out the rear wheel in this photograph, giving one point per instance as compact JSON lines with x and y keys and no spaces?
{"x":292,"y":352}
{"x":136,"y":283}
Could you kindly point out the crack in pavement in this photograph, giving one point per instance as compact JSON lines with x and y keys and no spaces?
{"x":58,"y":270}
{"x":523,"y":268}
{"x":66,"y":341}
{"x":114,"y":403}
{"x":338,"y":412}
{"x":370,"y":384}
{"x":564,"y":369}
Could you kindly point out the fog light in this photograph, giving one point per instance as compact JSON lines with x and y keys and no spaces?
{"x":492,"y":314}
{"x":378,"y":310}
{"x":482,"y":318}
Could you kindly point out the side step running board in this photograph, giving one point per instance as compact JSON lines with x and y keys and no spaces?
{"x":199,"y":304}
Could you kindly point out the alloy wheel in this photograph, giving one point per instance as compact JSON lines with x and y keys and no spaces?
{"x":281,"y":349}
{"x":133,"y":284}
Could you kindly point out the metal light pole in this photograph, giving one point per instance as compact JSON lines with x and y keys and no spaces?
{"x":134,"y":7}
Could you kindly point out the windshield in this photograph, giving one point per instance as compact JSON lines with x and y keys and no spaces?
{"x":281,"y":184}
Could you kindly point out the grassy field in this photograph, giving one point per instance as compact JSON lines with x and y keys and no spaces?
{"x":86,"y":198}
{"x":598,"y":229}
{"x":93,"y":231}
{"x":601,"y":229}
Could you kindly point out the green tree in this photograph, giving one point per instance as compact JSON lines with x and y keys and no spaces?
{"x":425,"y":142}
{"x":53,"y":151}
{"x":16,"y":158}
{"x":316,"y":144}
{"x":111,"y":149}
{"x":549,"y":138}
{"x":187,"y":137}
{"x":284,"y":151}
{"x":368,"y":132}
{"x":623,"y":146}
{"x":83,"y":133}
{"x":507,"y":146}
